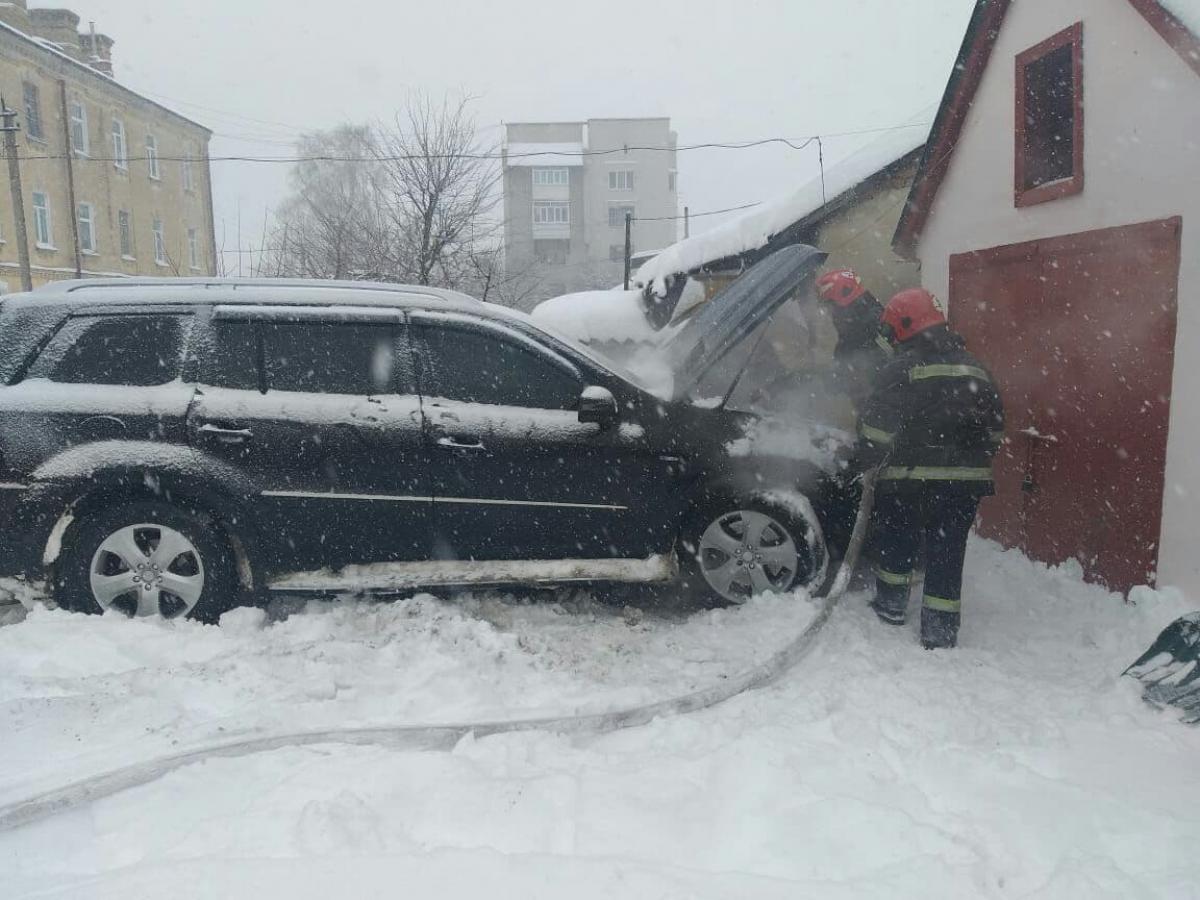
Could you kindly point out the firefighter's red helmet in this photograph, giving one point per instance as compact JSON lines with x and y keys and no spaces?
{"x":911,"y":312}
{"x":841,"y":287}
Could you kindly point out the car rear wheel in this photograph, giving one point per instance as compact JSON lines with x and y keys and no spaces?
{"x":146,"y":559}
{"x":736,"y":549}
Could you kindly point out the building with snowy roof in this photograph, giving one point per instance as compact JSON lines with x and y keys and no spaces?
{"x":850,"y":212}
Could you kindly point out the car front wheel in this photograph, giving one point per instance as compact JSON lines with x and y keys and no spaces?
{"x":146,"y":559}
{"x":735,"y":549}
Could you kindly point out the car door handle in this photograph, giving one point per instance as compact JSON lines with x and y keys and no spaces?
{"x":461,"y":443}
{"x":224,"y":435}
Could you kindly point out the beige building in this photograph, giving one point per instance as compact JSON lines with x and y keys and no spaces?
{"x":113,"y":183}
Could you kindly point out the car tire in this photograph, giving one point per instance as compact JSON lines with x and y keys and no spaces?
{"x":111,"y":559}
{"x":765,"y":545}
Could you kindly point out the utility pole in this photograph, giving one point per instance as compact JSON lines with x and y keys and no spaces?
{"x":687,"y":224}
{"x":628,"y":246}
{"x":10,"y":129}
{"x":69,"y":156}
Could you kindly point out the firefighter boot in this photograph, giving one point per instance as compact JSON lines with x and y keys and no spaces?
{"x":939,"y":630}
{"x":891,"y":602}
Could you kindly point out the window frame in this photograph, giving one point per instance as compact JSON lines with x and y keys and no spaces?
{"x":81,"y":143}
{"x":87,"y":248}
{"x":152,"y":161}
{"x":31,"y":97}
{"x":187,"y":173}
{"x":120,"y":142}
{"x":545,"y":179}
{"x":1064,"y":187}
{"x":621,"y":181}
{"x":623,"y":207}
{"x":43,"y":218}
{"x":126,"y":236}
{"x":193,"y":244}
{"x":545,"y":205}
{"x":159,"y":230}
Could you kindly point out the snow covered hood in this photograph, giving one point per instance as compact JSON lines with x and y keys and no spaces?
{"x":597,"y":316}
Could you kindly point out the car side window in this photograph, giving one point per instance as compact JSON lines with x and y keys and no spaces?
{"x":483,"y":367}
{"x":236,"y":360}
{"x":138,"y":350}
{"x":333,"y":358}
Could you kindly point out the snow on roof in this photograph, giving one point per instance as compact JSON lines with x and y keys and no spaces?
{"x":754,"y":229}
{"x":593,"y":316}
{"x":557,"y":154}
{"x":1186,"y":11}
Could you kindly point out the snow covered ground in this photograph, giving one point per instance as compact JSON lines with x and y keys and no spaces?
{"x":1018,"y":766}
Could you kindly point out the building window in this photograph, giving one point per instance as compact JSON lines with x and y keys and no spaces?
{"x":189,"y":182}
{"x":152,"y":156}
{"x":79,"y":129}
{"x":552,"y":253}
{"x":1049,"y":126}
{"x":160,"y":243}
{"x":551,"y":177}
{"x":672,"y":177}
{"x":33,"y":111}
{"x":620,"y":180}
{"x":193,"y":239}
{"x":120,"y":146}
{"x":43,"y":234}
{"x":616,"y":214}
{"x":125,"y":228}
{"x":86,"y":215}
{"x":551,"y":212}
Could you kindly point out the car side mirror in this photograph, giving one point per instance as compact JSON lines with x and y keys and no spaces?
{"x":597,"y":404}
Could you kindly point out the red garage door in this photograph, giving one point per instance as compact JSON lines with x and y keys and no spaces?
{"x":1080,"y":333}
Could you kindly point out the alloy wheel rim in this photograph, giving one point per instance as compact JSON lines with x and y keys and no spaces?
{"x":746,"y":552}
{"x":147,"y":569}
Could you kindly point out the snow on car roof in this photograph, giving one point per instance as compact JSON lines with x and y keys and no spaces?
{"x":122,"y":291}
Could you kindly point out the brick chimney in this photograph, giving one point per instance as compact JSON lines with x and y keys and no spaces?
{"x":60,"y":26}
{"x":14,"y":13}
{"x":97,"y":50}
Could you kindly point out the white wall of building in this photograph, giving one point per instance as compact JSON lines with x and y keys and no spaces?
{"x":1142,"y":162}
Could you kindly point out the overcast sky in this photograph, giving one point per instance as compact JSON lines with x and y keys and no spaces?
{"x":259,"y":72}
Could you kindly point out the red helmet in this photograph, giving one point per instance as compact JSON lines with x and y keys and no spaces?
{"x":911,"y":312}
{"x":842,"y":287}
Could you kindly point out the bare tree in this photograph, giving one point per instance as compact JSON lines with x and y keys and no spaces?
{"x":326,"y":226}
{"x":436,"y":187}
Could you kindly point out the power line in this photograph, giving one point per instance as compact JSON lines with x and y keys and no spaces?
{"x":794,"y":144}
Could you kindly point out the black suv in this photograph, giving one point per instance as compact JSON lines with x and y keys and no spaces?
{"x":171,"y":447}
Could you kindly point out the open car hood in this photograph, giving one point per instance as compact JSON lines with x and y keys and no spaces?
{"x":735,"y":313}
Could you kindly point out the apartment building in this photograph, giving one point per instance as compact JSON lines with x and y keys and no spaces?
{"x":568,"y":187}
{"x":114,"y":183}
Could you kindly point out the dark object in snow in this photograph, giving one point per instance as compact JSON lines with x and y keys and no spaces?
{"x":1170,"y":669}
{"x":168,"y":444}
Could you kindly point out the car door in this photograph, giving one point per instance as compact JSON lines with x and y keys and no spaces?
{"x":105,"y":375}
{"x":516,"y":474}
{"x":319,"y":406}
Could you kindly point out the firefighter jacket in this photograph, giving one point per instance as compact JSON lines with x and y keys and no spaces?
{"x":861,"y":350}
{"x":934,"y":415}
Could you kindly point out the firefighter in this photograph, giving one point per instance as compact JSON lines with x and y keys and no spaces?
{"x":933,"y":421}
{"x":861,"y":350}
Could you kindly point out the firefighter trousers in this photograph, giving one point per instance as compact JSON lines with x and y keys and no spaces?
{"x":940,"y":514}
